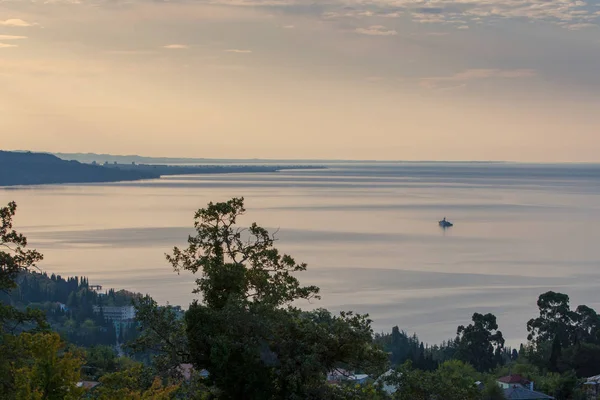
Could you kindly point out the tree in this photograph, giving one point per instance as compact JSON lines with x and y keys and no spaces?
{"x":555,"y":320}
{"x":479,"y":341}
{"x":514,"y":355}
{"x":14,"y":259}
{"x":492,"y":391}
{"x":453,"y":380}
{"x":163,"y":334}
{"x":135,"y":383}
{"x":42,"y":369}
{"x":254,"y":343}
{"x":588,"y":325}
{"x":555,"y":354}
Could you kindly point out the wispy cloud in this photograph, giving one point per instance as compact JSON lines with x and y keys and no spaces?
{"x":376,"y":30}
{"x":6,"y":45}
{"x":12,"y":37}
{"x":176,"y":46}
{"x":239,"y":51}
{"x":580,"y":25}
{"x":16,"y":22}
{"x":130,"y":52}
{"x":460,"y":79}
{"x":571,"y":14}
{"x":288,"y":26}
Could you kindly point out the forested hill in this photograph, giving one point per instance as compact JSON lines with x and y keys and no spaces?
{"x":38,"y":168}
{"x":24,"y":168}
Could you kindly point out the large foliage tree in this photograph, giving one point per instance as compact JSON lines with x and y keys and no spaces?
{"x":39,"y":368}
{"x":134,"y":383}
{"x":162,"y":335}
{"x":14,"y":259}
{"x":246,"y":330}
{"x":453,"y":380}
{"x":562,"y":339}
{"x":480,"y":343}
{"x":556,"y":320}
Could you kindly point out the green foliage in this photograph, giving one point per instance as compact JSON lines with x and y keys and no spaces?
{"x":555,"y":320}
{"x":14,"y":259}
{"x":163,"y":335}
{"x":492,"y":391}
{"x":237,"y":270}
{"x":563,"y":340}
{"x":480,"y":343}
{"x":135,"y":383}
{"x":102,"y":360}
{"x":402,"y":348}
{"x":245,"y":332}
{"x":35,"y":366}
{"x":453,"y":380}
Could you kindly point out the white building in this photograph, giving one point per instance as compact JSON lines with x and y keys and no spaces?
{"x":116,"y":314}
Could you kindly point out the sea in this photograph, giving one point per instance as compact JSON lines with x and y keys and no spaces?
{"x":368,"y":231}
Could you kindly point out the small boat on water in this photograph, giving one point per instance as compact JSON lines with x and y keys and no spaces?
{"x":445,"y":224}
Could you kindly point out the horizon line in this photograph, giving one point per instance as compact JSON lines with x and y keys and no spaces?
{"x":315,"y":160}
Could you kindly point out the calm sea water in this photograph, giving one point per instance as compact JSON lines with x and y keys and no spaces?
{"x":369,"y":233}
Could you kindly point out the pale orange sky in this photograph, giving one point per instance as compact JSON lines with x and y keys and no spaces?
{"x":340,"y":79}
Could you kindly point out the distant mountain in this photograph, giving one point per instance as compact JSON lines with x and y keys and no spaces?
{"x":128,"y":159}
{"x":23,"y":168}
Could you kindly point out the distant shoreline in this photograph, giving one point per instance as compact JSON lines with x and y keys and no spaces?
{"x":101,"y":158}
{"x":27,"y":169}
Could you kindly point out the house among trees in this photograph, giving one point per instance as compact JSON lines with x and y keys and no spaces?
{"x":520,"y":393}
{"x":517,"y":387}
{"x":509,"y":381}
{"x":339,"y":375}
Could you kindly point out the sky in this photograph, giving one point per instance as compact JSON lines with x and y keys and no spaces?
{"x":514,"y":80}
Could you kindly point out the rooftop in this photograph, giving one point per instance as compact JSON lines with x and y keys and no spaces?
{"x":513,"y":379}
{"x":519,"y":393}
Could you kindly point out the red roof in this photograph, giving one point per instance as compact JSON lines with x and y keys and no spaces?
{"x":513,"y":379}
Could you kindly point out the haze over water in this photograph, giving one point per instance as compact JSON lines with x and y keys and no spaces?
{"x":368,"y":232}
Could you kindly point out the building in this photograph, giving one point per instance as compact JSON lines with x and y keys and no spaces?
{"x":338,"y":375}
{"x":120,"y":316}
{"x":116,"y":314}
{"x":592,"y":387}
{"x":87,"y":385}
{"x":358,"y":379}
{"x":510,"y":381}
{"x":517,"y":387}
{"x":389,"y":388}
{"x":520,"y":393}
{"x":187,"y":370}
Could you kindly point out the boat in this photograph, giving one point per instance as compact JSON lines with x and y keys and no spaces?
{"x":445,"y":224}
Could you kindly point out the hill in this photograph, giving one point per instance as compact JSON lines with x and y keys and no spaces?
{"x":37,"y":168}
{"x":26,"y":168}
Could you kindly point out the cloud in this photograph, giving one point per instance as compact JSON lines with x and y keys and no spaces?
{"x":16,"y":22}
{"x":571,"y":14}
{"x":130,"y":52}
{"x":12,"y":37}
{"x":460,"y":79}
{"x":376,"y":30}
{"x":176,"y":46}
{"x":580,"y":25}
{"x":6,"y":45}
{"x":288,"y":26}
{"x":239,"y":51}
